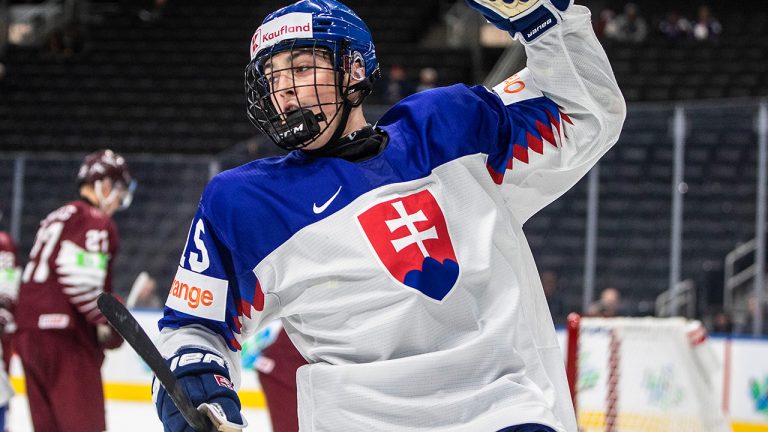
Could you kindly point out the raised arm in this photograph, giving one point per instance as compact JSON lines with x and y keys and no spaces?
{"x":566,"y":107}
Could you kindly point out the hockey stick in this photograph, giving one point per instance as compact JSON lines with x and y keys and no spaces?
{"x":131,"y":331}
{"x":135,"y":292}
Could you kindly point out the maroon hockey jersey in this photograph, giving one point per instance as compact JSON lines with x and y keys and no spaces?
{"x":69,"y":266}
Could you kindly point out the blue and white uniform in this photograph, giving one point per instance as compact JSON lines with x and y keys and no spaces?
{"x":405,"y":280}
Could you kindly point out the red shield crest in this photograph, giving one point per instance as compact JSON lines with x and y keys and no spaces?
{"x":410,"y":237}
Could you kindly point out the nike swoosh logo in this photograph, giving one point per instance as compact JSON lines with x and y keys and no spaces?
{"x":322,"y":208}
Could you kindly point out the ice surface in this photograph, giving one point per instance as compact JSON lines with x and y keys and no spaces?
{"x":127,"y":417}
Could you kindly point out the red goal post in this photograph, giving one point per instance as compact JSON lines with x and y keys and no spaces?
{"x":642,"y":375}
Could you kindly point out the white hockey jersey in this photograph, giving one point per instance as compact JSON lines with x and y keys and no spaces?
{"x":405,"y":280}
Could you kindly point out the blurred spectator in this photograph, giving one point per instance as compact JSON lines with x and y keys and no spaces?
{"x":721,"y":323}
{"x":395,"y":85}
{"x":608,"y":306}
{"x":427,"y":79}
{"x":675,"y":27}
{"x":707,"y":27}
{"x":71,"y":38}
{"x":752,"y":308}
{"x":555,"y":302}
{"x":605,"y":25}
{"x":148,"y":11}
{"x":630,"y":26}
{"x":66,"y":42}
{"x":153,"y":11}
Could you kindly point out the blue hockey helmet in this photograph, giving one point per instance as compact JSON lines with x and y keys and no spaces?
{"x":320,"y":26}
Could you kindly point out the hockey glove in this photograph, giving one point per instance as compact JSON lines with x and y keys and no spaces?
{"x":107,"y":337}
{"x":204,"y":376}
{"x":527,"y":19}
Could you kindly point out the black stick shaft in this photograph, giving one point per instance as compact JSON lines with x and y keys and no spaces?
{"x":125,"y":324}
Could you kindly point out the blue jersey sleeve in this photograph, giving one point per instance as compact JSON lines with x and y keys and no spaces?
{"x":207,"y":290}
{"x":456,"y":121}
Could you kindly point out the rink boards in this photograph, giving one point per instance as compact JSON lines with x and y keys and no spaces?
{"x":742,"y":382}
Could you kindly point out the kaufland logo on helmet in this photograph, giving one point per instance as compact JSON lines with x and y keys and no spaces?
{"x":285,"y":30}
{"x":256,"y":41}
{"x":295,"y":25}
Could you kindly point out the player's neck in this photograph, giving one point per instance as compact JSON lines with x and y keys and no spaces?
{"x":355,"y":122}
{"x":88,"y":194}
{"x":357,"y":146}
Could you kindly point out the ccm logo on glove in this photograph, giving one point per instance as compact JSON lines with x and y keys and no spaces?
{"x":198,"y":295}
{"x":224,"y":382}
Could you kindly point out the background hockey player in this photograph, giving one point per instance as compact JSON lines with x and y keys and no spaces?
{"x":61,"y":334}
{"x":10,"y":274}
{"x":277,"y":376}
{"x":394,"y":254}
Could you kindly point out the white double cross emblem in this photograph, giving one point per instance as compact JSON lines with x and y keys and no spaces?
{"x":408,"y":220}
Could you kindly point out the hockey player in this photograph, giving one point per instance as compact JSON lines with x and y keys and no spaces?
{"x":61,"y":334}
{"x":394,"y":254}
{"x":277,"y":377}
{"x":9,"y":291}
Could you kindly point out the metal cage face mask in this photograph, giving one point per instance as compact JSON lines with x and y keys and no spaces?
{"x":295,"y":92}
{"x":120,"y":192}
{"x":329,"y":31}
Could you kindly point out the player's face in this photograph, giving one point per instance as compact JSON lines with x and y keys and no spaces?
{"x":115,"y":196}
{"x":305,"y":79}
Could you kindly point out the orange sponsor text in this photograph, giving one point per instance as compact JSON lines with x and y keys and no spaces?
{"x":194,"y":296}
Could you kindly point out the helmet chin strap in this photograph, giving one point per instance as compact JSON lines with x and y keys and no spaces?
{"x":346,"y":108}
{"x":347,"y":105}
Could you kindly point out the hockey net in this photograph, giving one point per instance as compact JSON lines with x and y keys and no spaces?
{"x":642,"y":375}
